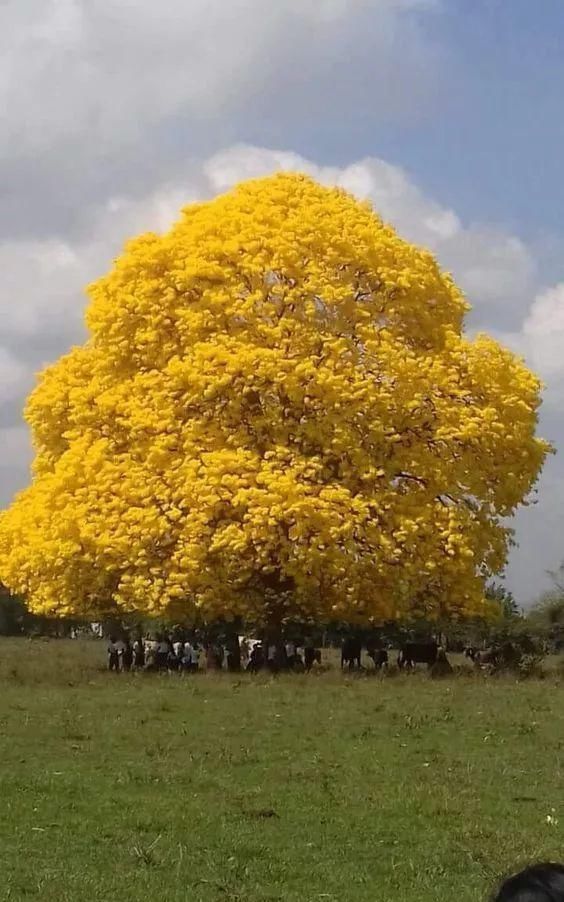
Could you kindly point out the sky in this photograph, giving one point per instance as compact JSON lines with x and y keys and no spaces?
{"x":446,"y":114}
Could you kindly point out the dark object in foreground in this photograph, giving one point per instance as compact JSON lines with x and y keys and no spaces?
{"x":539,"y":883}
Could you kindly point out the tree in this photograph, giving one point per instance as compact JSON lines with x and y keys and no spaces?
{"x":276,"y":414}
{"x":547,"y":614}
{"x":13,"y":614}
{"x":504,"y":600}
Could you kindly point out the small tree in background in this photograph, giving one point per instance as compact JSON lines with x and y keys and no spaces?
{"x":547,"y":615}
{"x":499,"y":595}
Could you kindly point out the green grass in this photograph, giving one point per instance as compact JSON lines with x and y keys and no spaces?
{"x":299,"y":788}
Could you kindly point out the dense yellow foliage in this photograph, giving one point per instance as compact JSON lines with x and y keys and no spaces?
{"x":276,"y":410}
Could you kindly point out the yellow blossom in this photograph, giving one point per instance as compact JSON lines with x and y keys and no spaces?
{"x":277,"y":408}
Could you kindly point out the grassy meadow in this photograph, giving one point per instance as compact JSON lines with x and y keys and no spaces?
{"x":320,"y":787}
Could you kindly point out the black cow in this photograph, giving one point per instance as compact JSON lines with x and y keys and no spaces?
{"x":311,"y":655}
{"x":351,"y":652}
{"x":412,"y":653}
{"x":379,"y":656}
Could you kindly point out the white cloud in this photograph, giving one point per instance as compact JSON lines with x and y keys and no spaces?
{"x":13,"y":375}
{"x":97,"y":94}
{"x":38,"y":281}
{"x":497,"y":269}
{"x":15,"y":458}
{"x":543,"y":332}
{"x":539,"y":532}
{"x":14,"y":447}
{"x":540,"y":341}
{"x":107,"y":69}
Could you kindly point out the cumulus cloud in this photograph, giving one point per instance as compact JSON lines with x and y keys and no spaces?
{"x":98,"y":95}
{"x":15,"y":457}
{"x":543,"y":332}
{"x":13,"y":374}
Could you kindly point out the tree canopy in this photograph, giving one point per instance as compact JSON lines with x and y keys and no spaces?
{"x":276,"y":414}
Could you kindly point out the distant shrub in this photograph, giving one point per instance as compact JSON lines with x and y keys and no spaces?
{"x":530,"y":665}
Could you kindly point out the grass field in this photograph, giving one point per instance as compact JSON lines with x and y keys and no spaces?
{"x":297,"y":788}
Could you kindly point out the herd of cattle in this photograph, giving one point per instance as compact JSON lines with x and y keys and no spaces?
{"x":410,"y":654}
{"x":505,"y":654}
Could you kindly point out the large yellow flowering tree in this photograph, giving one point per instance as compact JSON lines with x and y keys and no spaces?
{"x":276,"y":414}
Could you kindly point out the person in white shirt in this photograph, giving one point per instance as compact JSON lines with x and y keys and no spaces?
{"x":272,"y":657}
{"x":195,"y":665}
{"x":290,"y":649}
{"x":187,"y":655}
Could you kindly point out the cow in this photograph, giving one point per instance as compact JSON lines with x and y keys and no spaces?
{"x":351,"y":652}
{"x":412,"y":653}
{"x":482,"y":658}
{"x":379,"y":656}
{"x":311,"y":656}
{"x":499,"y":656}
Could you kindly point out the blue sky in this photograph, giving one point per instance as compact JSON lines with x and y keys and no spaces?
{"x":494,"y":147}
{"x":447,"y":114}
{"x":489,"y":142}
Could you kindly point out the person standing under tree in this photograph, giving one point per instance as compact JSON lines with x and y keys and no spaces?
{"x":195,"y":662}
{"x":138,"y":654}
{"x":113,"y":655}
{"x":126,"y":655}
{"x":233,"y":654}
{"x":187,"y":655}
{"x":290,"y":649}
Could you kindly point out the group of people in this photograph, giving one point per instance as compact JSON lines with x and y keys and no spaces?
{"x":189,"y":653}
{"x":163,"y":652}
{"x":278,"y":657}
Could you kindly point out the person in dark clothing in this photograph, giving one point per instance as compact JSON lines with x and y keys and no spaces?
{"x":219,"y":655}
{"x":233,"y":654}
{"x":311,"y":655}
{"x":256,"y":661}
{"x":539,"y":883}
{"x":126,"y":655}
{"x":162,"y":652}
{"x":113,"y":654}
{"x":138,"y":654}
